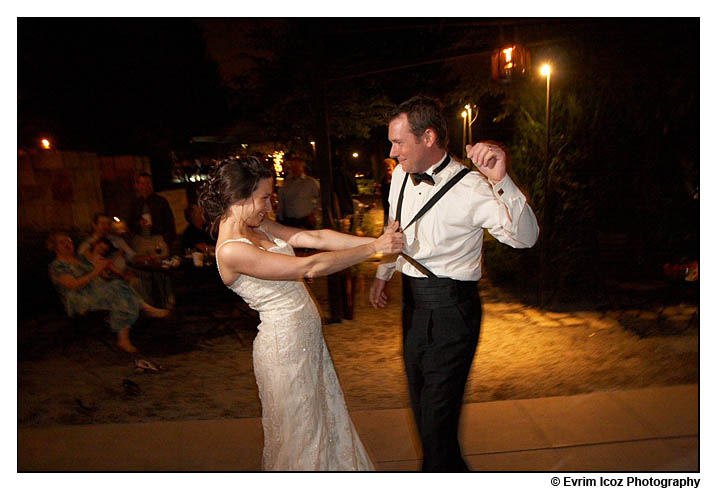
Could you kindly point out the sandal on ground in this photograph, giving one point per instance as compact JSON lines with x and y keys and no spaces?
{"x":143,"y":364}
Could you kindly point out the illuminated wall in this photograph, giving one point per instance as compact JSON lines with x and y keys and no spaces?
{"x":65,"y":189}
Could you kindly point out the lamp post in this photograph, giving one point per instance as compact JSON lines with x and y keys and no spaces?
{"x":470,"y":121}
{"x":546,"y":71}
{"x":463,"y":133}
{"x":467,"y":122}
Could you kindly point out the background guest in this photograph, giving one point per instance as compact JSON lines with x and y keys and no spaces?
{"x":344,"y":187}
{"x":298,"y":197}
{"x":102,"y":229}
{"x":103,"y":249}
{"x":385,"y":184}
{"x":82,"y":290}
{"x":195,"y":236}
{"x":151,"y":214}
{"x":153,"y":226}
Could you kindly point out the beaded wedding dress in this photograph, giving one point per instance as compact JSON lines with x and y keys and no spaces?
{"x":305,"y":419}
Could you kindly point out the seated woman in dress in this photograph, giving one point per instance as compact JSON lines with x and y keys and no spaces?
{"x":79,"y":282}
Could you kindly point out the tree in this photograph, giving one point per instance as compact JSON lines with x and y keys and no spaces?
{"x":277,"y":84}
{"x":623,"y":156}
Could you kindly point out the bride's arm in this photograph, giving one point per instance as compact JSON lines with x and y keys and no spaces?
{"x":242,"y":258}
{"x":325,"y":239}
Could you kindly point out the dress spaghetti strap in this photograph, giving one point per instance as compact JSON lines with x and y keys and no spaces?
{"x":216,"y":256}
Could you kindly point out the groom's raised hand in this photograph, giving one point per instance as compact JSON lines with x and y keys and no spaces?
{"x":490,"y":158}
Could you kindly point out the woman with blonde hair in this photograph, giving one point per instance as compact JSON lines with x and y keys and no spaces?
{"x":82,"y":289}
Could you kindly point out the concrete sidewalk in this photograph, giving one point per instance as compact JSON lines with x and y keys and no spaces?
{"x":652,"y":429}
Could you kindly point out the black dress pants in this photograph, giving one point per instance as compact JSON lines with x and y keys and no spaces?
{"x":441,"y":319}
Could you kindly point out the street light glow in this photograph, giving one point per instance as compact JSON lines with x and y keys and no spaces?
{"x":355,"y":155}
{"x":546,"y":70}
{"x":463,"y":114}
{"x":45,"y":143}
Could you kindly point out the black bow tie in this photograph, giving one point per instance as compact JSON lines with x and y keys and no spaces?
{"x":417,"y":178}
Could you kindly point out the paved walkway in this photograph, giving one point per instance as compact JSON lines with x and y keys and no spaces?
{"x":652,"y":429}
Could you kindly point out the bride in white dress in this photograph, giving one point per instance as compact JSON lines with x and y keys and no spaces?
{"x":305,"y":419}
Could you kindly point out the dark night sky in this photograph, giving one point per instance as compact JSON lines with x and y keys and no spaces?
{"x":106,"y":84}
{"x":143,"y":85}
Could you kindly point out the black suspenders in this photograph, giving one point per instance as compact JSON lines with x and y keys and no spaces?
{"x":432,"y":201}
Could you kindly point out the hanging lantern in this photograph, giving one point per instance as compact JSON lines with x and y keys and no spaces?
{"x":509,"y":62}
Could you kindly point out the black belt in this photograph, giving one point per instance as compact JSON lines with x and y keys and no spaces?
{"x":430,"y":293}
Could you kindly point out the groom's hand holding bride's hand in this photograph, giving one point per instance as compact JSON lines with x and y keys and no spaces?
{"x":391,"y":241}
{"x":377,"y":295}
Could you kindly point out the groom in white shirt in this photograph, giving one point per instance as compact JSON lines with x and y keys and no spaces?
{"x":441,"y":264}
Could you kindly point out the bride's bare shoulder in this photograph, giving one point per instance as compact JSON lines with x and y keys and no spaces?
{"x":232,"y":250}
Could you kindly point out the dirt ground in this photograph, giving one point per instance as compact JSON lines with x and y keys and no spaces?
{"x":523,"y":352}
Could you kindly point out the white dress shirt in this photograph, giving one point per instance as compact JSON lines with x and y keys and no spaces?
{"x":448,"y":238}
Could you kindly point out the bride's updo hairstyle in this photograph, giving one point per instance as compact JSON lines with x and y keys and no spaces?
{"x":231,"y":181}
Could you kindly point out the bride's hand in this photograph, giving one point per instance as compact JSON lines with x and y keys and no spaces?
{"x":391,"y":241}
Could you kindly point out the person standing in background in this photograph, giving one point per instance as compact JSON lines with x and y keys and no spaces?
{"x":298,"y":197}
{"x":151,"y":213}
{"x":153,"y":226}
{"x":195,"y":236}
{"x":384,"y":186}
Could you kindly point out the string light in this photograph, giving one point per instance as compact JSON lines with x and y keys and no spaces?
{"x":278,"y":158}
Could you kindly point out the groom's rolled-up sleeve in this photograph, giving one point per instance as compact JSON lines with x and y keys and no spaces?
{"x":386,"y":269}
